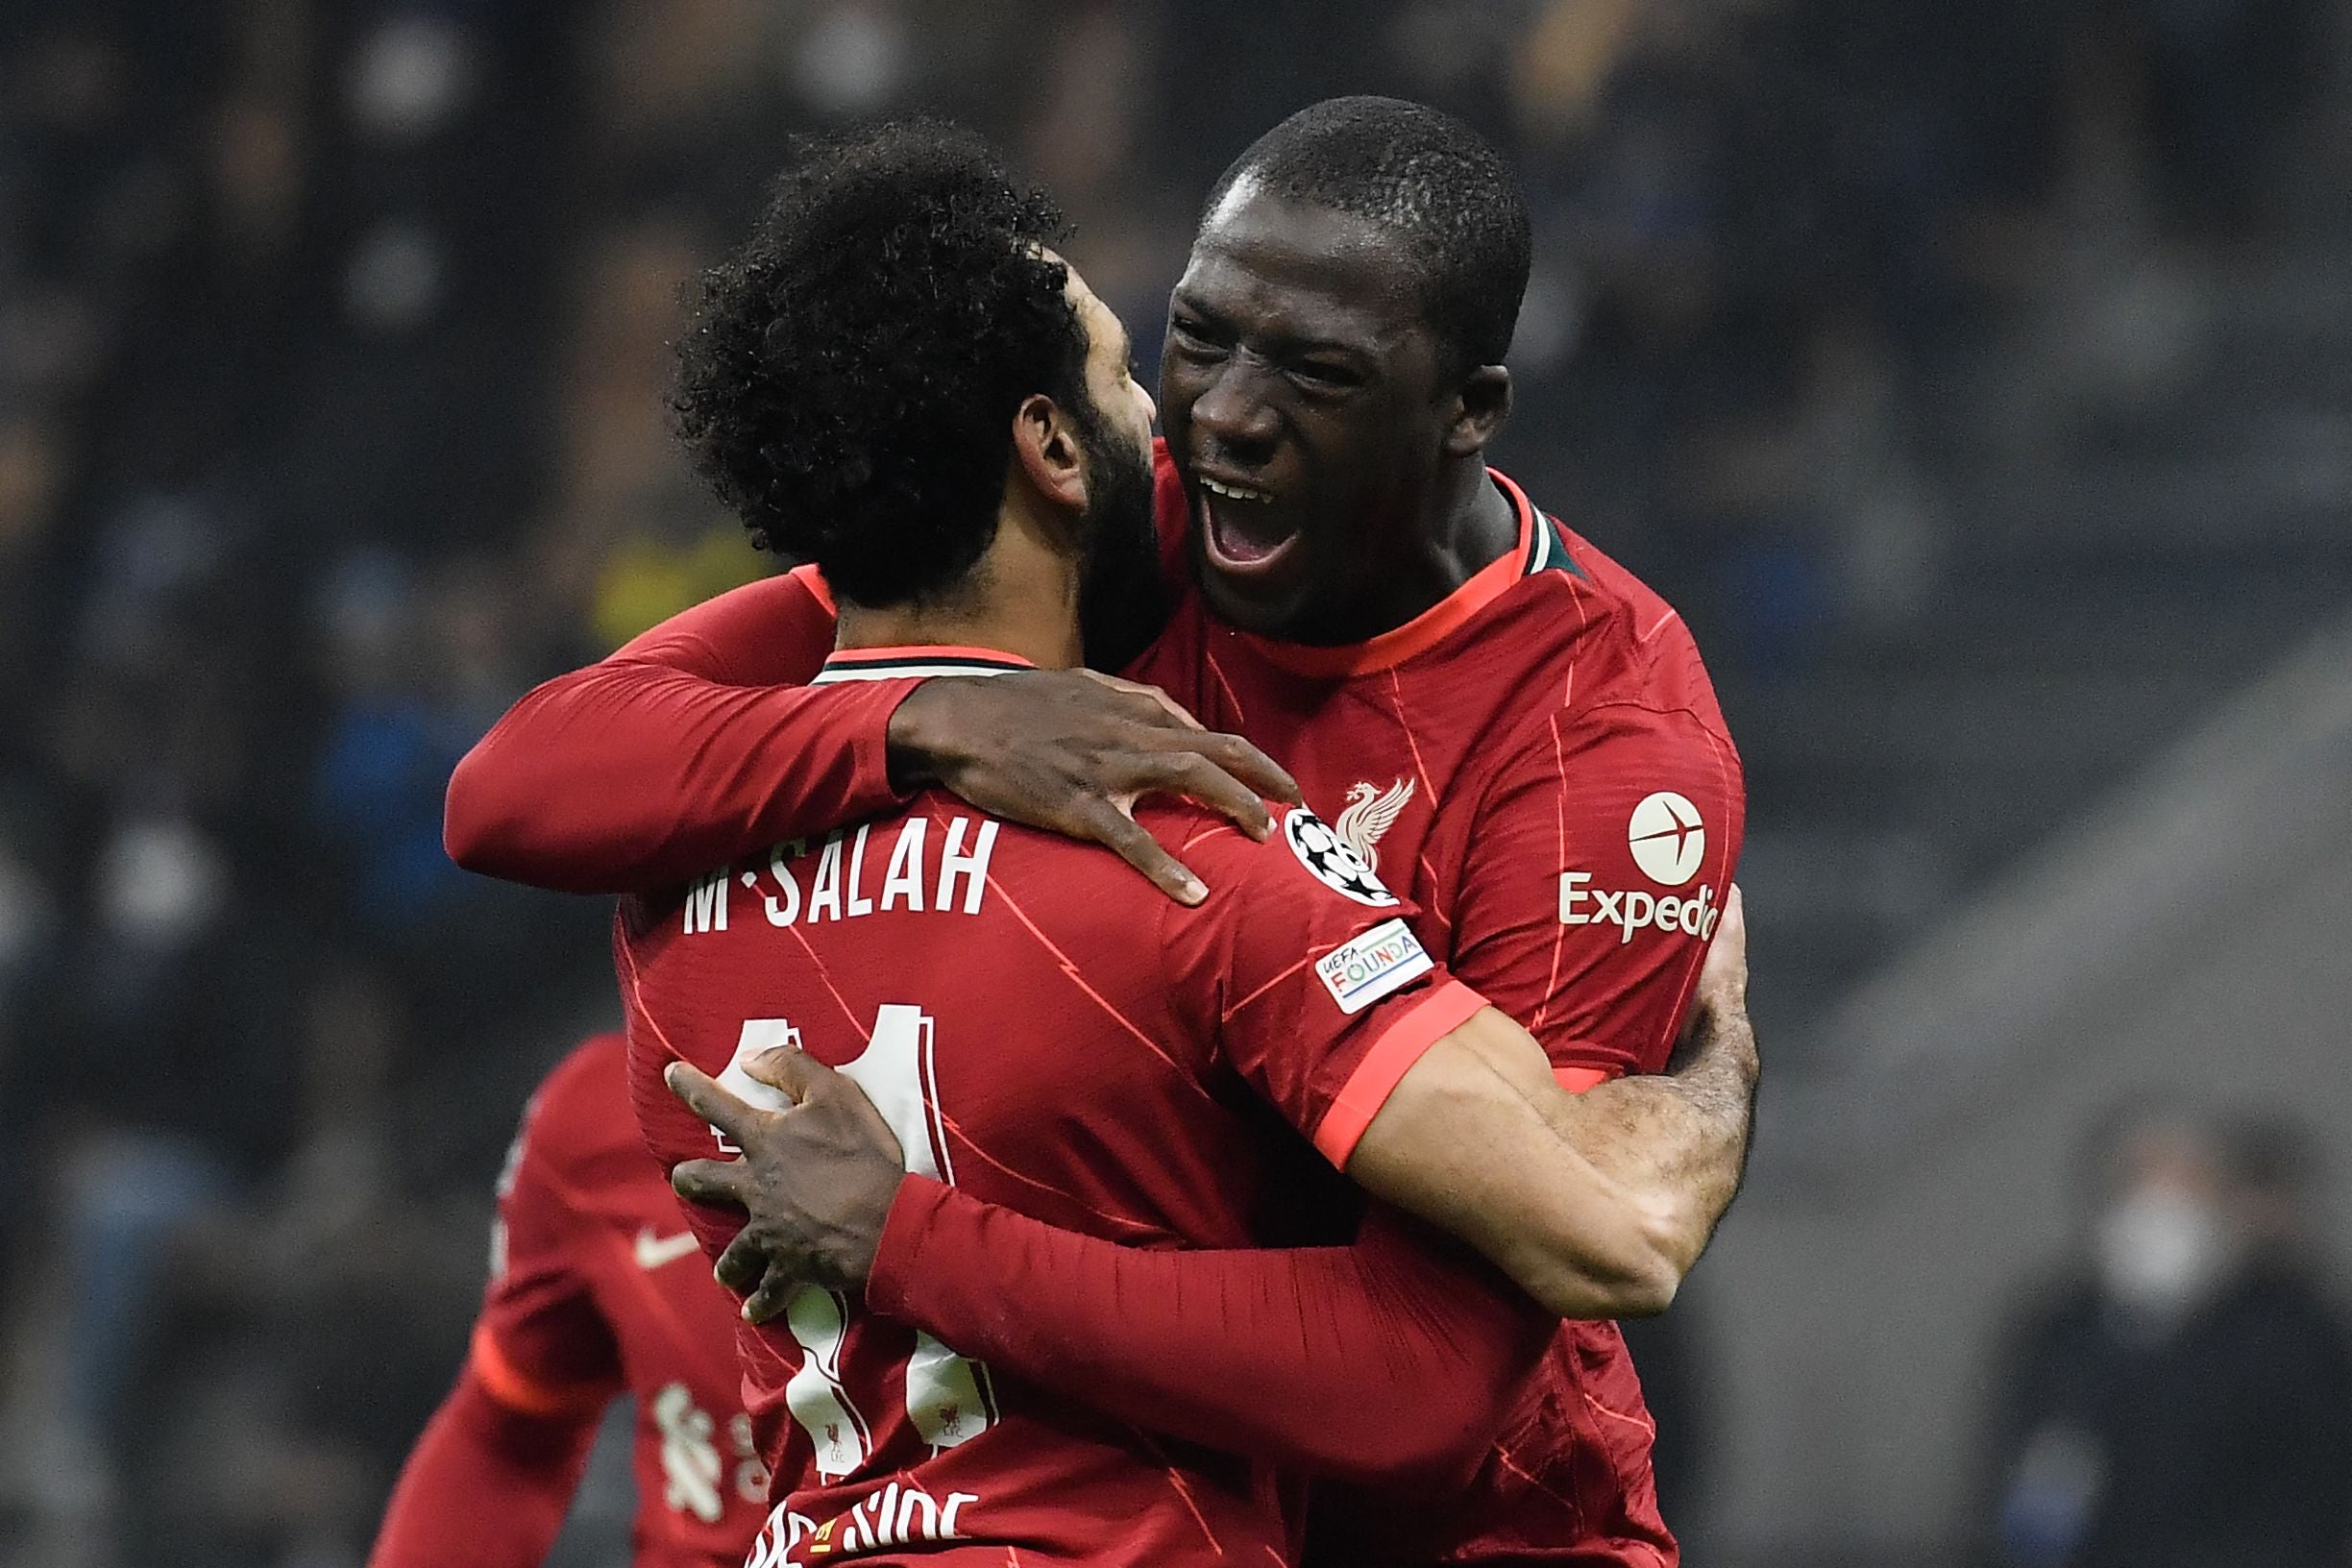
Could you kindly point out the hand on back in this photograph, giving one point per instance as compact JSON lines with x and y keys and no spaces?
{"x":1071,"y":751}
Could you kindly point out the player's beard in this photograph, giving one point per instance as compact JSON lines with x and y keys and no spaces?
{"x":1123,"y":600}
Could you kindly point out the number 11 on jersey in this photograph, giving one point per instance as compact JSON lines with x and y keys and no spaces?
{"x":948,"y":1398}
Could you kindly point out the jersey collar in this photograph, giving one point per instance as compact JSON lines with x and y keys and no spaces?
{"x":1539,"y":548}
{"x":914,"y":663}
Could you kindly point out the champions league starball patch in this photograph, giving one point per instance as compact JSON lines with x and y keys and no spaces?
{"x":1330,"y":861}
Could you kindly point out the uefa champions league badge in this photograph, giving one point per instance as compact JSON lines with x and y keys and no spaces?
{"x":1331,"y":861}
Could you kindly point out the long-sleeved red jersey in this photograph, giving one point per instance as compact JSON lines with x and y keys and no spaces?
{"x":1537,"y":763}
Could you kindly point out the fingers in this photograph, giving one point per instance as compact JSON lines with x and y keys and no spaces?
{"x":1136,"y":688}
{"x":792,"y":1071}
{"x":709,"y":1181}
{"x":1258,"y":772}
{"x":1725,"y":969}
{"x":1112,"y":828}
{"x":774,"y":1295}
{"x":740,"y":1266}
{"x":1721,"y":997}
{"x":1196,"y":779}
{"x":1224,"y":772}
{"x":1248,"y":765}
{"x":706,"y":1099}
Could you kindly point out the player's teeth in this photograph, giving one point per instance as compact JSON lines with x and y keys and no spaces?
{"x":1234,"y":492}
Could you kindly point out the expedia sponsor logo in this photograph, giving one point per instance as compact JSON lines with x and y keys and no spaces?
{"x":1667,"y":837}
{"x":1581,"y":903}
{"x":1360,"y":972}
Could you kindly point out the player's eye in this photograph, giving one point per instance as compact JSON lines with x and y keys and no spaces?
{"x":1323,"y":374}
{"x":1192,"y":337}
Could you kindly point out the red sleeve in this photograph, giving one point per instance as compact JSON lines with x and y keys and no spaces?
{"x":1595,"y":875}
{"x":1393,"y":1361}
{"x":542,"y":1346}
{"x":485,"y":1485}
{"x":695,"y":742}
{"x":1302,"y":970}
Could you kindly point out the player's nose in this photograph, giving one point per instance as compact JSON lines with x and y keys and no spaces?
{"x":1233,"y":413}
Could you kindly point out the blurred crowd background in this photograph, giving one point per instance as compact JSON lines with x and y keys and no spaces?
{"x":1977,"y":378}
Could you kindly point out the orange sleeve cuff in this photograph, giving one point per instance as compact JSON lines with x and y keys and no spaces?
{"x":525,"y":1395}
{"x":1391,"y":1057}
{"x":1576,"y":1080}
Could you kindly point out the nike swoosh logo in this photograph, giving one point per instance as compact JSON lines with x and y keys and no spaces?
{"x":654,"y":1251}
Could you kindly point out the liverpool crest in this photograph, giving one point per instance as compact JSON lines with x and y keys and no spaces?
{"x":1371,"y":812}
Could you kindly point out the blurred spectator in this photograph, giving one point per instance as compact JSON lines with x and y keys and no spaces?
{"x":2185,"y":1401}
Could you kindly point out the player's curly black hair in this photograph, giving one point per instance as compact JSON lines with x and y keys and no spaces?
{"x":1445,"y":190}
{"x":848,"y":380}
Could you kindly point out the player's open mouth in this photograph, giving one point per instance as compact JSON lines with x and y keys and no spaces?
{"x":1242,"y":527}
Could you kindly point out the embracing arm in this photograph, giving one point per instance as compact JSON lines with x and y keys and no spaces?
{"x":700,"y":742}
{"x":1395,"y":1359}
{"x":1391,"y":1361}
{"x":1567,"y":932}
{"x":1599,"y":1203}
{"x":1678,"y":1141}
{"x":697,"y":742}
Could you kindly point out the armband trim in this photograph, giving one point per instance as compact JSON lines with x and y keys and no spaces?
{"x":1391,"y":1057}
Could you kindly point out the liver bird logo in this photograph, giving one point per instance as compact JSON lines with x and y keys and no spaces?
{"x":1371,"y":812}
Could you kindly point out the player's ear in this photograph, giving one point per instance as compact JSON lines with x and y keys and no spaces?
{"x":1481,"y":402}
{"x":1045,"y":452}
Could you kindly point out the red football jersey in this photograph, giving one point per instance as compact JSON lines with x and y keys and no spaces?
{"x":1041,"y":1028}
{"x":1538,"y":763}
{"x":596,"y":1289}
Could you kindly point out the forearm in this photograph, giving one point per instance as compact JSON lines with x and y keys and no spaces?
{"x":697,"y":743}
{"x":625,"y":777}
{"x":1596,"y":1204}
{"x":1677,"y":1142}
{"x":485,"y":1485}
{"x":1391,"y":1361}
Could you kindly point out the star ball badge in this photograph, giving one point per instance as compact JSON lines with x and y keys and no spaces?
{"x":1330,"y":861}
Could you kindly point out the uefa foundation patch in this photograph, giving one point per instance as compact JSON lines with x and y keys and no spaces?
{"x":1383,"y":959}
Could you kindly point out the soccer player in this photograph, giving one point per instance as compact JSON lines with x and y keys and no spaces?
{"x":596,"y":1289}
{"x":947,"y":424}
{"x":1500,"y":717}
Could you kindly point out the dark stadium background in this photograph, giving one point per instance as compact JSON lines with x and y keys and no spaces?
{"x":1976,"y":378}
